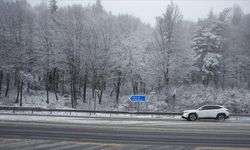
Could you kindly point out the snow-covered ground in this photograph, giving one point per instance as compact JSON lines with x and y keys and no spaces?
{"x":187,"y":97}
{"x":38,"y":99}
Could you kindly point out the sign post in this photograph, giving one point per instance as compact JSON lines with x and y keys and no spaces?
{"x":137,"y":99}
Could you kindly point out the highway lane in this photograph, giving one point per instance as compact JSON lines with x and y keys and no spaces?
{"x":130,"y":131}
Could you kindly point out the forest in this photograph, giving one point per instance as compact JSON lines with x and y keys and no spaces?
{"x":72,"y":56}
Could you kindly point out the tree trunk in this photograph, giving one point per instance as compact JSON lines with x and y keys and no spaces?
{"x":57,"y":80}
{"x":135,"y":87}
{"x":94,"y":84}
{"x":21,"y":94}
{"x":113,"y":89}
{"x":223,"y":77}
{"x":55,"y":91}
{"x":71,"y":93}
{"x":73,"y":87}
{"x":47,"y":86}
{"x":117,"y":93}
{"x":143,"y":88}
{"x":54,"y":82}
{"x":7,"y":84}
{"x":166,"y":77}
{"x":100,"y":97}
{"x":93,"y":89}
{"x":18,"y":90}
{"x":173,"y":103}
{"x":15,"y":81}
{"x":216,"y":80}
{"x":1,"y":79}
{"x":85,"y":87}
{"x":63,"y":83}
{"x":248,"y":80}
{"x":160,"y":86}
{"x":118,"y":87}
{"x":28,"y":87}
{"x":74,"y":92}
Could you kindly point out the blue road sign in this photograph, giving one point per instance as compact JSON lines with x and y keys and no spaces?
{"x":137,"y":98}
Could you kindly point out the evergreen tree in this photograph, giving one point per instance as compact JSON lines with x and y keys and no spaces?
{"x":98,"y":8}
{"x":53,"y":6}
{"x":207,"y":44}
{"x":236,"y":15}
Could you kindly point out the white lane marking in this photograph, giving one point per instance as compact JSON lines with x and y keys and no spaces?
{"x":94,"y":147}
{"x":70,"y":147}
{"x":33,"y":144}
{"x":6,"y":144}
{"x":45,"y":146}
{"x":25,"y":143}
{"x":10,"y":143}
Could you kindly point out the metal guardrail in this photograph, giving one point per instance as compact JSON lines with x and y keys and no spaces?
{"x":39,"y":109}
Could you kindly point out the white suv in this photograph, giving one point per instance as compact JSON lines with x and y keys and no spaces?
{"x":207,"y":112}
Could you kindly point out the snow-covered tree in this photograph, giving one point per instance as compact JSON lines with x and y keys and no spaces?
{"x":237,"y":14}
{"x":165,"y":41}
{"x":207,"y":44}
{"x":53,"y":6}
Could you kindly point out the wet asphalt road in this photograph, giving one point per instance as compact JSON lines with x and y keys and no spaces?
{"x":122,"y":133}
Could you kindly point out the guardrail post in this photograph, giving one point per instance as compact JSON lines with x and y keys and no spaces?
{"x":31,"y":111}
{"x":13,"y":110}
{"x":51,"y":112}
{"x":70,"y":113}
{"x":90,"y":114}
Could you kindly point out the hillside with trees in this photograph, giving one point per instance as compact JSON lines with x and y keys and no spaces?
{"x":75,"y":56}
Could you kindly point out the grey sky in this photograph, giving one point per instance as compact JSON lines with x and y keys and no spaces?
{"x":147,"y":10}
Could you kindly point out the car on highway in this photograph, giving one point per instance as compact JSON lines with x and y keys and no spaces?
{"x":207,"y":112}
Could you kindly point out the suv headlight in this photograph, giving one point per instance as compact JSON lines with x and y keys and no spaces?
{"x":185,"y":114}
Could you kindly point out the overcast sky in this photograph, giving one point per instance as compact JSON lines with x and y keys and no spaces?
{"x":147,"y":10}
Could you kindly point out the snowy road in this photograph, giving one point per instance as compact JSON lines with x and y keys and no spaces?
{"x":115,"y":133}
